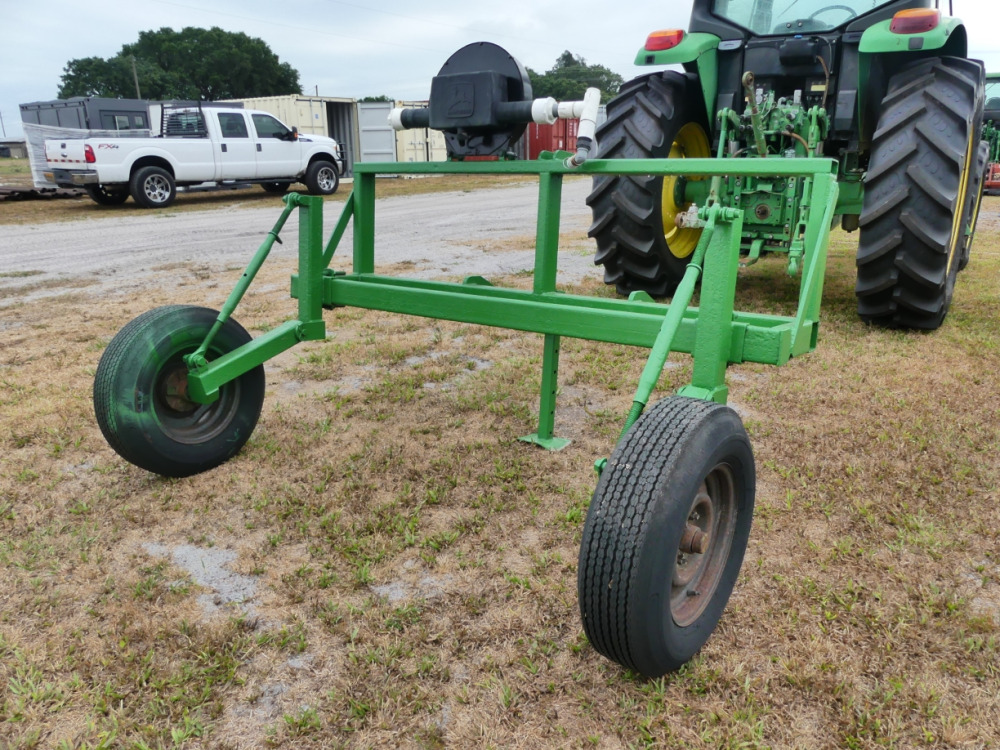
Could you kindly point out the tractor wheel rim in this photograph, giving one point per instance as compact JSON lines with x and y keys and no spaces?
{"x":324,"y":178}
{"x":184,"y":420}
{"x":712,"y":521}
{"x":691,"y":142}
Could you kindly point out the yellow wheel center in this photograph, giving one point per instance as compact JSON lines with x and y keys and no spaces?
{"x":691,"y":142}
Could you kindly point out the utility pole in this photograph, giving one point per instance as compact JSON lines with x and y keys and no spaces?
{"x":1,"y":125}
{"x":135,"y":77}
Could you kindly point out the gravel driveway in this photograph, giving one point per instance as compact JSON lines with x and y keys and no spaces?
{"x":444,"y":234}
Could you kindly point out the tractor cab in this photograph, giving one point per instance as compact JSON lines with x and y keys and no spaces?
{"x":809,"y":51}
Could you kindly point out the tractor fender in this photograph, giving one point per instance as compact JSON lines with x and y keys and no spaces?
{"x":699,"y":53}
{"x":883,"y":52}
{"x":949,"y":35}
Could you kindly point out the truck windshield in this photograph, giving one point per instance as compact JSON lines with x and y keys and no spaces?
{"x":793,"y":16}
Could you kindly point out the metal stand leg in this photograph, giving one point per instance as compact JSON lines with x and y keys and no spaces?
{"x":547,"y":403}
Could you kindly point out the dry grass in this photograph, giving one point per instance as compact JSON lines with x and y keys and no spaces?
{"x":16,"y":173}
{"x":413,"y":566}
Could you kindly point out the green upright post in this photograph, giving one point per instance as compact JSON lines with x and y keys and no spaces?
{"x":713,"y":340}
{"x":546,"y":265}
{"x":310,"y":288}
{"x":547,"y":403}
{"x":364,"y":223}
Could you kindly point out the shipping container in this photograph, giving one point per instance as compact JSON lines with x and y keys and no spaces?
{"x":559,"y":136}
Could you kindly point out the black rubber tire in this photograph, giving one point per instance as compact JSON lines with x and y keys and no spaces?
{"x":152,"y":187}
{"x":975,"y":200}
{"x":107,"y":196}
{"x":162,"y":431}
{"x":634,"y":609}
{"x":915,"y":209}
{"x":643,"y":122}
{"x":322,"y":178}
{"x":278,"y":188}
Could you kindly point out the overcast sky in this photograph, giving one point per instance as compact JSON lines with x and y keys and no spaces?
{"x":360,"y":48}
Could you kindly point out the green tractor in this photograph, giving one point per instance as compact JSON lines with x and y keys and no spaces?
{"x":991,"y":133}
{"x":883,"y":87}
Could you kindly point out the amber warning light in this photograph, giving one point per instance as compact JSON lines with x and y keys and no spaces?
{"x":915,"y":21}
{"x":661,"y":40}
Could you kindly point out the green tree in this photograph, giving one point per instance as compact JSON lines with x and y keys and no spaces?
{"x":570,"y":77}
{"x":189,"y":64}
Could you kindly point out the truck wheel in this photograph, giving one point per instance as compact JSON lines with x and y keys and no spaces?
{"x":278,"y":188}
{"x":153,"y":187}
{"x":107,"y":196}
{"x":665,"y":535}
{"x":915,"y":210}
{"x":322,"y":178}
{"x":140,"y":394}
{"x":638,"y":243}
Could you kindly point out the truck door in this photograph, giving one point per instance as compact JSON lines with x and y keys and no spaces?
{"x":237,"y":155}
{"x":278,"y":154}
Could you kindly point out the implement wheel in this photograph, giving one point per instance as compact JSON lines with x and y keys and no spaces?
{"x":916,"y":207}
{"x":665,"y":535}
{"x":638,"y":242}
{"x":140,"y":394}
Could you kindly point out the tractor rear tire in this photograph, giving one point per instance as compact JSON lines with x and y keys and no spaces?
{"x":140,"y":393}
{"x":916,"y":209}
{"x":665,"y":535}
{"x":641,"y":248}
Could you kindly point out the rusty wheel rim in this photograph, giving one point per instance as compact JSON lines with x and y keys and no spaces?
{"x":703,"y":549}
{"x":187,"y":421}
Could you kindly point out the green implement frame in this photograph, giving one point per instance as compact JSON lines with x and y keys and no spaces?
{"x":714,"y":333}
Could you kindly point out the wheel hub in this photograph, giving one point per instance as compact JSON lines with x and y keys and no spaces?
{"x":690,"y":142}
{"x":174,"y":391}
{"x":157,"y":189}
{"x":325,"y":179}
{"x":704,"y":546}
{"x":183,"y":419}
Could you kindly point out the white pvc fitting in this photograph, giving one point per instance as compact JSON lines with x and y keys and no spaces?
{"x":570,"y":110}
{"x":588,"y":115}
{"x":588,"y":128}
{"x":543,"y":111}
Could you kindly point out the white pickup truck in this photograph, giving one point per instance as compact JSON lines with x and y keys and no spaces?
{"x":197,"y":145}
